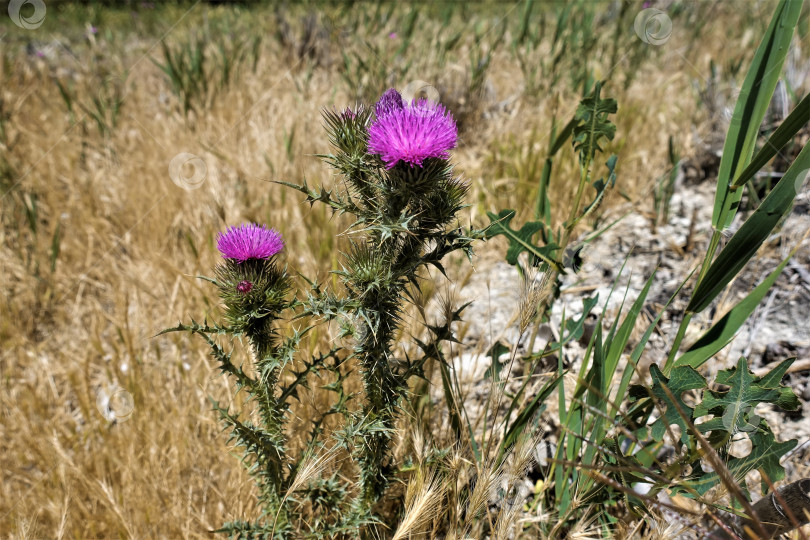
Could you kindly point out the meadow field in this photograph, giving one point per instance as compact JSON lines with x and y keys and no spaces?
{"x":132,"y":133}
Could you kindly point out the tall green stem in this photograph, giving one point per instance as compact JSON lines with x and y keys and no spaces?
{"x":676,"y":345}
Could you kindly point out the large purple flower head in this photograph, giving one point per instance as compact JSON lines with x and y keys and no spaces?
{"x":249,"y":241}
{"x":417,"y":131}
{"x":391,"y":100}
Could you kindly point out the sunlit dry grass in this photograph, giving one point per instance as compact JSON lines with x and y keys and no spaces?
{"x":130,"y":243}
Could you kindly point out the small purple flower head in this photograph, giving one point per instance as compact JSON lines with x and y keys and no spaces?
{"x":413,"y":133}
{"x":244,"y":286}
{"x":249,"y":241}
{"x":392,"y":35}
{"x":391,"y":100}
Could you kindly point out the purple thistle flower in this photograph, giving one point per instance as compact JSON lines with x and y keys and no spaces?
{"x":391,"y":100}
{"x":244,"y":286}
{"x":249,"y":241}
{"x":413,"y":133}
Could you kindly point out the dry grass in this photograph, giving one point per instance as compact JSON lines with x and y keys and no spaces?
{"x":132,"y":242}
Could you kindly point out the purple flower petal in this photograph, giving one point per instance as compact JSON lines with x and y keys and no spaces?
{"x":413,"y":133}
{"x":249,"y":241}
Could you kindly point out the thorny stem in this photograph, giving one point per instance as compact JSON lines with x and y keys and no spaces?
{"x":271,"y":411}
{"x":382,"y":385}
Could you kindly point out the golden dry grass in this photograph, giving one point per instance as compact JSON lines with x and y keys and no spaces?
{"x":132,"y":242}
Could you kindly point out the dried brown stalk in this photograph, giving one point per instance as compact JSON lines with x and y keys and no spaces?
{"x":780,"y":512}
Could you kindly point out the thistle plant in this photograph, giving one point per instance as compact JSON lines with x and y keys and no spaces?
{"x":405,"y":198}
{"x":255,"y":291}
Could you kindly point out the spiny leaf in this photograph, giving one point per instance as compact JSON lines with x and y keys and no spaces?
{"x":764,"y":457}
{"x":683,"y":378}
{"x":520,"y":240}
{"x":592,"y":114}
{"x":324,"y":196}
{"x":745,"y":392}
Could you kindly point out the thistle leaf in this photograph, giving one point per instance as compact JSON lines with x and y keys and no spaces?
{"x":592,"y":114}
{"x":683,"y":378}
{"x":745,"y":392}
{"x":520,"y":240}
{"x":764,"y":457}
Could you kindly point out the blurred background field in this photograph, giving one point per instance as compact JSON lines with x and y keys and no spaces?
{"x":104,"y":227}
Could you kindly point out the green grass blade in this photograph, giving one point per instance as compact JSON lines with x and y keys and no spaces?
{"x":619,"y":342}
{"x":621,"y":390}
{"x":719,"y":335}
{"x":456,"y":420}
{"x":752,"y":234}
{"x":542,"y":209}
{"x":563,"y":136}
{"x":755,"y":96}
{"x":526,"y":415}
{"x":783,"y":134}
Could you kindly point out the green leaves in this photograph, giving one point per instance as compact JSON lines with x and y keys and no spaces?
{"x":764,"y":457}
{"x":520,"y":240}
{"x":755,"y":96}
{"x":746,"y":390}
{"x":719,"y":335}
{"x":682,"y":379}
{"x":756,"y":229}
{"x":733,"y":414}
{"x":783,"y":134}
{"x":592,"y":115}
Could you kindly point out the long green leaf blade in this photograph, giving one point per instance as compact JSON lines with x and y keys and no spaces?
{"x":755,"y":96}
{"x":719,"y":335}
{"x":618,"y":343}
{"x":526,"y":415}
{"x":783,"y":134}
{"x":756,"y":229}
